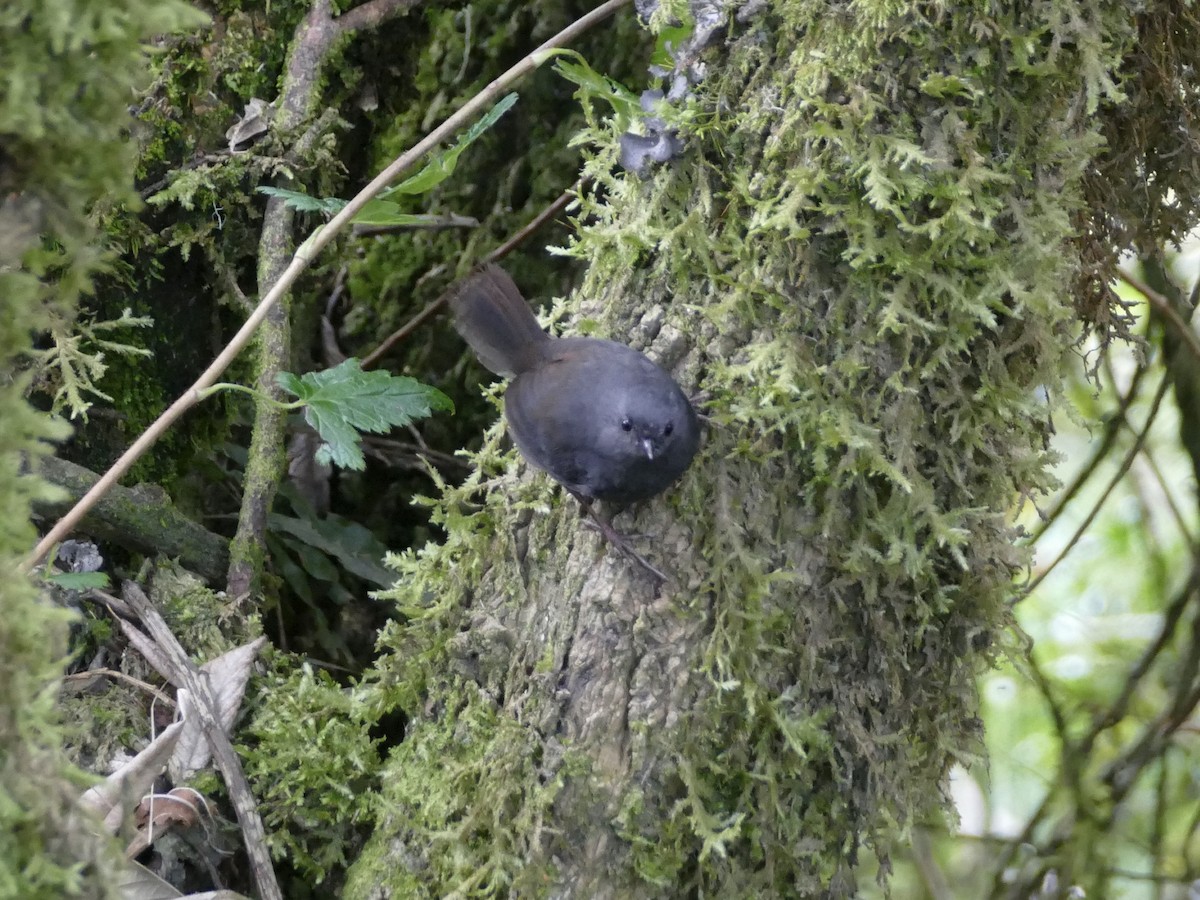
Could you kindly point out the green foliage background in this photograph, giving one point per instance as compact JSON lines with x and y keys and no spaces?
{"x":1086,"y":779}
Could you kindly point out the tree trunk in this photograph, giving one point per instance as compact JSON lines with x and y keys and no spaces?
{"x":860,"y":256}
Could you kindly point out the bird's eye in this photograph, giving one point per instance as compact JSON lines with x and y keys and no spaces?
{"x":670,"y":426}
{"x":626,"y":425}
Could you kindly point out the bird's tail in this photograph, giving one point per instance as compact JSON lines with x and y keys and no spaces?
{"x":493,"y":317}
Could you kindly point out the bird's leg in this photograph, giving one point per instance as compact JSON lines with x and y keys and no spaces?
{"x":699,"y":403}
{"x":614,"y":537}
{"x":591,"y":517}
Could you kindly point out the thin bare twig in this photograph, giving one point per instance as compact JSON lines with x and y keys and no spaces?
{"x":91,"y":674}
{"x":1169,"y":495}
{"x":559,"y":204}
{"x":1171,"y":618}
{"x":371,"y":14}
{"x":372,"y":359}
{"x":1163,"y":306}
{"x":1111,"y":430}
{"x":386,"y":450}
{"x":303,"y":257}
{"x":931,"y":875}
{"x":1096,"y":507}
{"x":1010,"y":847}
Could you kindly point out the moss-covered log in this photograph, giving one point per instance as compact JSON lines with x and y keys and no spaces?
{"x":861,"y":256}
{"x":141,"y":518}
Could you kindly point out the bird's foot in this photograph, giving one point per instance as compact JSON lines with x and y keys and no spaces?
{"x":590,"y":522}
{"x":699,"y":402}
{"x":619,"y":541}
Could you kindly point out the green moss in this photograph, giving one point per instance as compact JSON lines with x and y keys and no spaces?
{"x":141,"y":390}
{"x":548,"y":661}
{"x":376,"y":865}
{"x":70,"y":68}
{"x":106,"y":723}
{"x":206,"y":622}
{"x":473,"y":806}
{"x":900,"y":266}
{"x":654,"y":861}
{"x":484,"y":802}
{"x":313,"y":768}
{"x":198,"y":236}
{"x":862,"y":247}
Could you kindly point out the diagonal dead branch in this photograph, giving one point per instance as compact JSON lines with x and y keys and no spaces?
{"x":184,"y":673}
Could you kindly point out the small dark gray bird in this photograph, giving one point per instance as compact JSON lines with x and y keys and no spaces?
{"x":598,"y":416}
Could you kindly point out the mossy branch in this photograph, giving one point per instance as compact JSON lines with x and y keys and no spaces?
{"x":142,"y":518}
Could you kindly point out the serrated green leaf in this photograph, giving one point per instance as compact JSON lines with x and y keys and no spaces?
{"x":343,"y":401}
{"x":441,"y":167}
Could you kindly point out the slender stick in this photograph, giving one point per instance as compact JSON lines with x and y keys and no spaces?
{"x":304,"y":255}
{"x":1138,"y":443}
{"x":372,"y":359}
{"x":1164,"y":307}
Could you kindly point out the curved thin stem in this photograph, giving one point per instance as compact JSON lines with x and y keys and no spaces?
{"x":241,"y":388}
{"x":1109,"y":488}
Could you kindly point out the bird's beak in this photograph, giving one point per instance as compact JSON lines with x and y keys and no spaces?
{"x":648,"y":447}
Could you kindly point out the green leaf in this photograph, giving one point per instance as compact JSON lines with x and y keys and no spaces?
{"x":594,"y":86}
{"x":352,"y":545}
{"x":670,"y":38}
{"x":380,"y":211}
{"x":441,"y":167}
{"x":303,"y":202}
{"x":385,"y":212}
{"x":79,"y":581}
{"x":343,"y":401}
{"x":941,"y":85}
{"x":292,"y":574}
